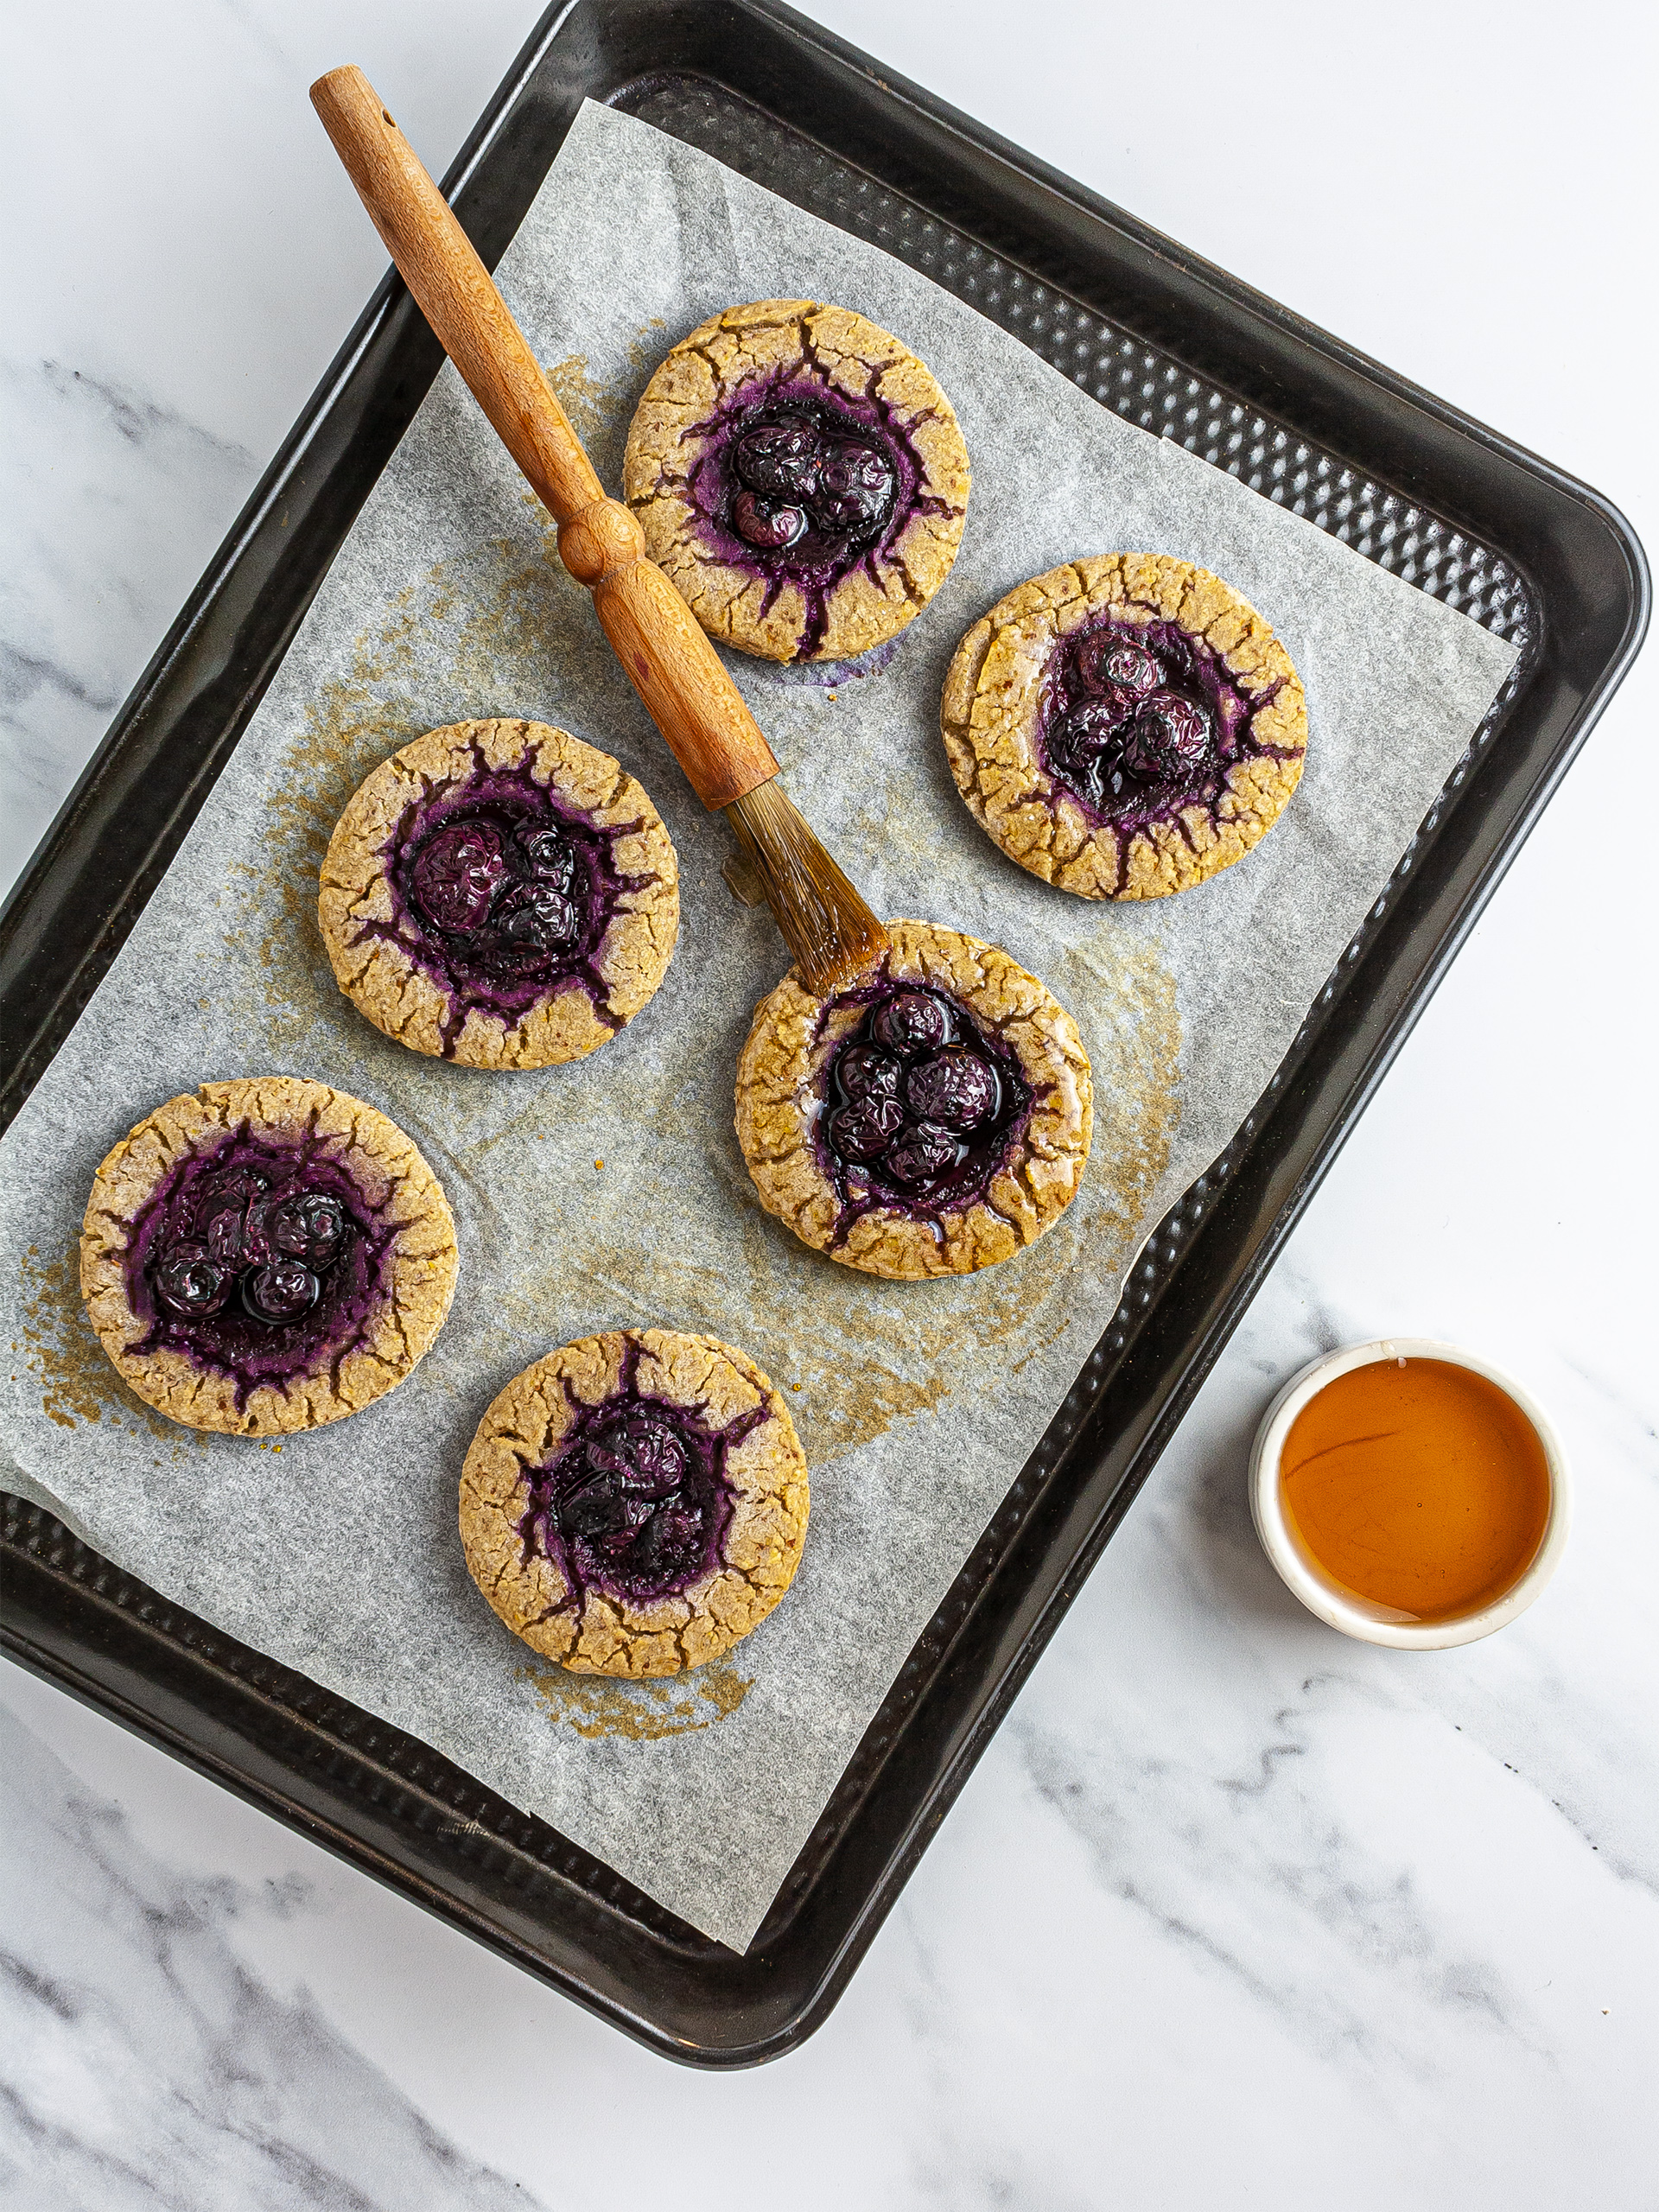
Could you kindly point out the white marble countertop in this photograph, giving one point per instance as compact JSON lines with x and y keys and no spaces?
{"x":1233,"y":1909}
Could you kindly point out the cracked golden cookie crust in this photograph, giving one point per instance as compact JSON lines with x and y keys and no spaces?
{"x":931,"y":1120}
{"x":499,"y":893}
{"x":1125,"y":726}
{"x":800,"y":476}
{"x":265,"y":1256}
{"x":635,"y":1503}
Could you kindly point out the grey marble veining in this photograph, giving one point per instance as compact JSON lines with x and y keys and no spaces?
{"x":1233,"y":1911}
{"x":149,"y":2066}
{"x":86,"y":604}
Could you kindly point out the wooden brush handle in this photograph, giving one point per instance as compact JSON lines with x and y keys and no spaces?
{"x":667,"y":657}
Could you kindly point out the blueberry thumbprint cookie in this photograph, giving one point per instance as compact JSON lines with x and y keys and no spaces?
{"x":499,"y":893}
{"x":636,"y":1502}
{"x":800,"y":475}
{"x":1124,"y":727}
{"x":265,"y":1256}
{"x":929,"y":1120}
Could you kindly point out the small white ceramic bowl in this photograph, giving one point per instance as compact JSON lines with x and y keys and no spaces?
{"x":1303,"y":1575}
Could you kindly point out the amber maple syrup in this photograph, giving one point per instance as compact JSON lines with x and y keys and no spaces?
{"x":1418,"y":1486}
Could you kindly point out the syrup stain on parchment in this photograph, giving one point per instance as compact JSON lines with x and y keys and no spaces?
{"x":77,"y":1383}
{"x":640,"y":1711}
{"x":599,"y":410}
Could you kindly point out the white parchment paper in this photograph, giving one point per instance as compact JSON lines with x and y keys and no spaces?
{"x":337,"y":1554}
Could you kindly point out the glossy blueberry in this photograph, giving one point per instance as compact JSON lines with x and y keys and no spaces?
{"x":865,"y":1071}
{"x":281,"y":1291}
{"x":602,"y":1514}
{"x":456,"y":874}
{"x":778,"y":458}
{"x":233,"y":1190}
{"x":1170,"y":740}
{"x":924,"y":1153}
{"x":551,"y":858}
{"x":1076,"y":767}
{"x":227,"y":1236}
{"x":639,"y":1454}
{"x":310,"y":1226}
{"x":912,"y":1021}
{"x":670,"y":1548}
{"x":190,"y":1283}
{"x":854,"y":487}
{"x":540,"y":919}
{"x":956,"y":1089}
{"x":1098,"y":726}
{"x":771,"y":524}
{"x":866,"y":1129}
{"x":1105,"y":662}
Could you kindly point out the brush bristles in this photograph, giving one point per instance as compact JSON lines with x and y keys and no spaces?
{"x":831,"y":932}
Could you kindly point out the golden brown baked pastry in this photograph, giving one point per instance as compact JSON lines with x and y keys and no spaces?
{"x":800,"y":475}
{"x":929,"y":1121}
{"x":635,"y":1503}
{"x":265,"y":1256}
{"x":1125,"y":726}
{"x":501,"y":893}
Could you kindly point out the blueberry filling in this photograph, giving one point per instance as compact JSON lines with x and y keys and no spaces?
{"x":454,"y":875}
{"x":258,"y":1259}
{"x":502,"y":894}
{"x":1140,"y":721}
{"x":492,"y":886}
{"x":802,"y":485}
{"x":636,"y":1502}
{"x":921,"y":1107}
{"x":809,"y":470}
{"x":780,"y":457}
{"x":769,"y":526}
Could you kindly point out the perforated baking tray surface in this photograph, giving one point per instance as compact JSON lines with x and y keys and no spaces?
{"x":1176,"y":345}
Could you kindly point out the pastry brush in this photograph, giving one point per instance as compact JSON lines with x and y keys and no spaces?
{"x":665,"y":653}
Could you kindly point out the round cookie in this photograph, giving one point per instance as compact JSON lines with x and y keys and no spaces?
{"x":933,"y":1119}
{"x":500,"y":893}
{"x":635,"y":1503}
{"x":265,"y":1256}
{"x":1125,"y":726}
{"x":800,"y":475}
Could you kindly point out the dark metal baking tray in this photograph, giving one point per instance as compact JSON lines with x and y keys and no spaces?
{"x":1172,"y":343}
